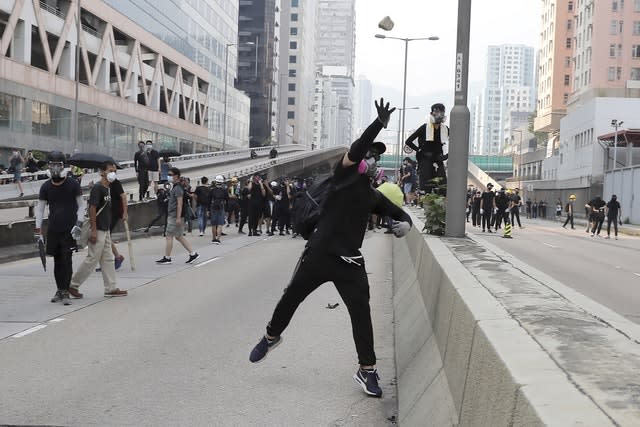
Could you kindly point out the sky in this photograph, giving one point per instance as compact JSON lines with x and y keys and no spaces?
{"x":431,"y":64}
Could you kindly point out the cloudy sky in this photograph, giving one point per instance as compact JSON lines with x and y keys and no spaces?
{"x":431,"y":63}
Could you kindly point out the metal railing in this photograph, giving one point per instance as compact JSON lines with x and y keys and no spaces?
{"x":51,"y":9}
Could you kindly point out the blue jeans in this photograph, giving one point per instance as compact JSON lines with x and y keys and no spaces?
{"x":202,"y":218}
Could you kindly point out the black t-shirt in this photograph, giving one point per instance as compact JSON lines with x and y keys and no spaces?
{"x":614,"y":208}
{"x":487,"y":200}
{"x":141,"y":161}
{"x":256,"y":195}
{"x":116,"y":201}
{"x":476,"y":202}
{"x":62,"y":204}
{"x":153,"y":160}
{"x":597,"y":204}
{"x":219,"y":197}
{"x":343,"y":222}
{"x":516,"y":199}
{"x":502,"y":201}
{"x":99,"y":197}
{"x":202,"y":195}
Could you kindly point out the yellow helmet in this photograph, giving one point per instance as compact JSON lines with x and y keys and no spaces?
{"x":572,"y":197}
{"x":508,"y":191}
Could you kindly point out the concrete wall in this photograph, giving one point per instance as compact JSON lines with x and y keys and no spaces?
{"x":461,"y":359}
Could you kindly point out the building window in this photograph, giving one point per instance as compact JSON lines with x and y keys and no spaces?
{"x":48,"y":120}
{"x":614,"y":6}
{"x":570,"y":6}
{"x":620,"y":25}
{"x":618,"y":73}
{"x":291,"y":101}
{"x":613,"y":28}
{"x":292,"y":73}
{"x":569,"y":24}
{"x":293,"y":45}
{"x":292,"y":87}
{"x":612,"y":50}
{"x":294,"y":17}
{"x":635,"y":74}
{"x":294,"y":3}
{"x":292,"y":59}
{"x":291,"y":115}
{"x":568,"y":43}
{"x":635,"y":51}
{"x":121,"y":136}
{"x":567,"y":79}
{"x":567,"y":61}
{"x":612,"y":74}
{"x":636,"y":28}
{"x":293,"y":31}
{"x":565,"y":98}
{"x":636,"y":5}
{"x":12,"y":112}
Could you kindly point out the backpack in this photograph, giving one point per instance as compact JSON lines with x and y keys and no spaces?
{"x":566,"y":208}
{"x":217,"y":198}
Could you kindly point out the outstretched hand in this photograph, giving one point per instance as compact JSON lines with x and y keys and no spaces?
{"x":384,"y":113}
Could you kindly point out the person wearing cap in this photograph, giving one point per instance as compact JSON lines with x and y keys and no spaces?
{"x":218,"y":197}
{"x":431,"y":136}
{"x":332,"y":253}
{"x":569,"y":211}
{"x":487,"y":206}
{"x":66,"y":208}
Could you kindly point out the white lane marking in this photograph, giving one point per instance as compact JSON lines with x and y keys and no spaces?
{"x":551,"y":246}
{"x":56,"y":320}
{"x":29,"y":331}
{"x":206,"y":262}
{"x":637,"y":274}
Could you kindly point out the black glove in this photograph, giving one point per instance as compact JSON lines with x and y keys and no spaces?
{"x":384,"y":113}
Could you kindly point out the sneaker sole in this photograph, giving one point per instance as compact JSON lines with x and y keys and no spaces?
{"x":269,"y":350}
{"x":115,"y":296}
{"x":193,"y":260}
{"x":163,"y":263}
{"x":364,"y":386}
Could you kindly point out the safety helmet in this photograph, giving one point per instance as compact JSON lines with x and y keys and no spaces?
{"x":572,"y":197}
{"x":219,"y":179}
{"x":234,"y":179}
{"x":274,"y":184}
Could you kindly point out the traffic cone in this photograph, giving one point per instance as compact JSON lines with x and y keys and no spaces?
{"x":507,"y":231}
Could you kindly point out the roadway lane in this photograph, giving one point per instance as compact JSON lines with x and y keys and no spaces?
{"x":606,"y":271}
{"x":175,"y":351}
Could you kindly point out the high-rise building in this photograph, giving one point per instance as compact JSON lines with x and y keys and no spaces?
{"x":509,"y":87}
{"x":335,"y":59}
{"x":555,"y":65}
{"x":363,"y":104}
{"x":258,"y":65}
{"x":141,"y":76}
{"x":297,"y":72}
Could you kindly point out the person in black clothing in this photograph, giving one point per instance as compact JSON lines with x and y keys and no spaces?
{"x":475,"y":209}
{"x":66,"y":207}
{"x":569,"y":211}
{"x":431,"y":137}
{"x":487,"y":205}
{"x":597,"y":212}
{"x":516,"y":202}
{"x":614,"y":214}
{"x":163,"y":208}
{"x":281,"y":211}
{"x":333,"y":250}
{"x":154,"y":165}
{"x":119,"y":211}
{"x":233,"y":207}
{"x":218,"y":199}
{"x":502,"y":204}
{"x":141,"y":165}
{"x":202,"y":203}
{"x":257,"y":197}
{"x":244,"y":207}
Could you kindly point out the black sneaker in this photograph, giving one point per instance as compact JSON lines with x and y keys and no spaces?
{"x":263,"y":347}
{"x":66,"y":300}
{"x":368,"y":380}
{"x":57,"y":297}
{"x":192,"y":258}
{"x":164,"y":260}
{"x":215,"y":241}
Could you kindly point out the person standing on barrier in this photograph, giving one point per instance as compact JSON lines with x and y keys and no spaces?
{"x":332,"y":253}
{"x":154,"y":166}
{"x":16,"y":165}
{"x":141,"y":165}
{"x":66,"y":206}
{"x":569,"y":211}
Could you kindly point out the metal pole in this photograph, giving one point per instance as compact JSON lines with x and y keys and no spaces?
{"x":398,"y":149}
{"x":459,"y":139}
{"x":404,"y":99}
{"x":224,"y":120}
{"x":615,"y":146}
{"x":77,"y":72}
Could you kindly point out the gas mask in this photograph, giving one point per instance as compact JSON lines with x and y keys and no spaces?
{"x":437,"y":117}
{"x":57,"y":171}
{"x":369,"y":167}
{"x":111,"y":176}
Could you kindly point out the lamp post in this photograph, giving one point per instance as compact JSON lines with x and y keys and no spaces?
{"x":77,"y":73}
{"x":401,"y":138}
{"x":226,"y":84}
{"x":616,"y":124}
{"x":404,"y":88}
{"x":519,"y":156}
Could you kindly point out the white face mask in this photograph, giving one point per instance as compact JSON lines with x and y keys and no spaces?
{"x":111,"y":176}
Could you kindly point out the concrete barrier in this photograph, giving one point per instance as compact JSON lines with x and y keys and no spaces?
{"x":462,"y":359}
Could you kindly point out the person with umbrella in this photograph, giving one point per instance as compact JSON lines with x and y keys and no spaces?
{"x":99,"y":247}
{"x":66,"y":207}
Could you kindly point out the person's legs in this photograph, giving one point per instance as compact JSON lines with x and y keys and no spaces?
{"x":309,"y":274}
{"x":107,"y":264}
{"x":168,"y":247}
{"x":517,"y":213}
{"x":615,"y":226}
{"x":94,"y":252}
{"x":608,"y":226}
{"x":185,"y":243}
{"x":202,"y":219}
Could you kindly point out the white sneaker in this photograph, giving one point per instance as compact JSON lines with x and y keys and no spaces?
{"x":201,"y":234}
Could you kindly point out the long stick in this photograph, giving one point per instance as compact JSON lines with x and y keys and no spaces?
{"x":131,"y":260}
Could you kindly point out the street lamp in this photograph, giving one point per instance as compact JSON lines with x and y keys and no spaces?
{"x":401,"y":137}
{"x":616,"y":124}
{"x":406,"y":52}
{"x":226,"y":72}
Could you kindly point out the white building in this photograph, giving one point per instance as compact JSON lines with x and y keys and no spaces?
{"x":509,"y":87}
{"x":337,"y":95}
{"x":363,"y":107}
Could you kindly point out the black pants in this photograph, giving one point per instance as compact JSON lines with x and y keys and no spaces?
{"x":143,"y":183}
{"x":569,"y":218}
{"x":615,"y":225}
{"x":244,"y":213}
{"x":475,"y":217}
{"x":486,"y":219}
{"x":597,"y":220}
{"x":59,"y":246}
{"x":161,"y":214}
{"x":515,"y":212}
{"x":350,"y":280}
{"x":281,"y":217}
{"x":233,"y":208}
{"x":255,"y":212}
{"x":501,"y":216}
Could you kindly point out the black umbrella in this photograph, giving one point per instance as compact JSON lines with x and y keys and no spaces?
{"x":43,"y":255}
{"x":170,"y":153}
{"x":41,"y":163}
{"x":91,"y":160}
